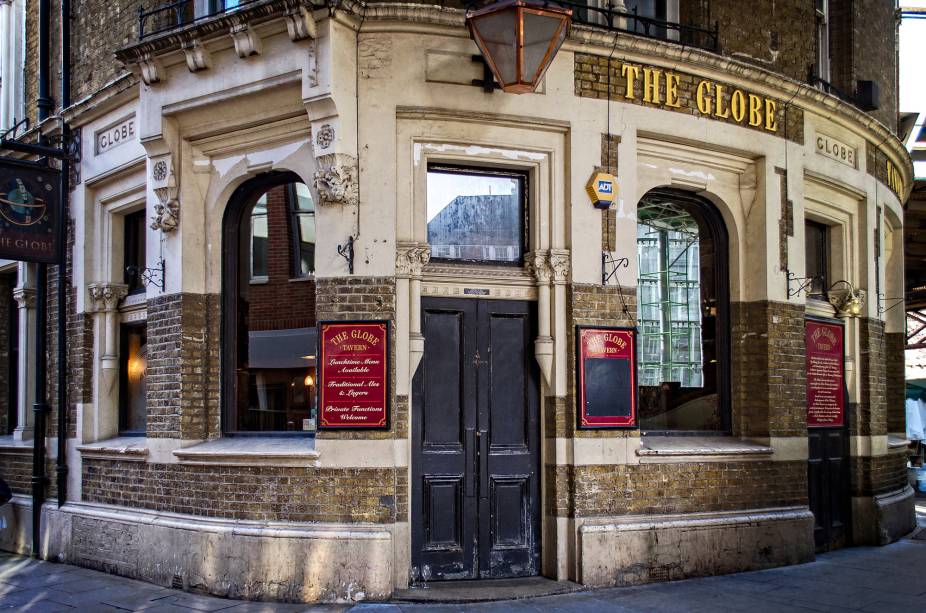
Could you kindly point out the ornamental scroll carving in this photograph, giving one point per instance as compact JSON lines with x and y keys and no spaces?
{"x":107,"y":295}
{"x":411,"y":258}
{"x":336,"y":180}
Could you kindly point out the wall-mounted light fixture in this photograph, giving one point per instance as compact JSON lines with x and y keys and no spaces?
{"x":848,"y":302}
{"x":519,"y":39}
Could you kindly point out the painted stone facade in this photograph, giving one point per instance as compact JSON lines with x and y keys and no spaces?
{"x":357,"y":102}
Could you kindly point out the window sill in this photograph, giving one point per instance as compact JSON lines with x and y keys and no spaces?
{"x":252,"y":451}
{"x":304,"y":279}
{"x":677,"y":447}
{"x":126,"y":449}
{"x":897,"y":442}
{"x":259,"y":280}
{"x":8,"y":443}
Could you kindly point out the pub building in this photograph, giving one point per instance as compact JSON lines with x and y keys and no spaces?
{"x":359,"y":296}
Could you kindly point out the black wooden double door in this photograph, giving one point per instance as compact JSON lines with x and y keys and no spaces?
{"x":475,"y":461}
{"x":828,"y":483}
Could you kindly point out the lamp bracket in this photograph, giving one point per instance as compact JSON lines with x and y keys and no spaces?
{"x":155,"y":276}
{"x":610,"y":266}
{"x":803,"y":284}
{"x":487,"y":82}
{"x":882,"y":303}
{"x":346,"y":251}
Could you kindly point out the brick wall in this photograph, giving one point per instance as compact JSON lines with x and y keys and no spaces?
{"x":364,"y":298}
{"x":690,"y":487}
{"x":250,"y":493}
{"x":16,"y":469}
{"x":870,"y":416}
{"x":871,"y":476}
{"x":282,"y":302}
{"x":183,"y":374}
{"x":895,"y":387}
{"x":768,"y":369}
{"x":863,"y":46}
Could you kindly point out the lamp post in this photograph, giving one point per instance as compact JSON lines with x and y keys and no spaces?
{"x":519,"y":39}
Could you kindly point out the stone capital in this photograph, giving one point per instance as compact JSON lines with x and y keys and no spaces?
{"x":106,"y":296}
{"x":538,"y":266}
{"x":560,"y":263}
{"x":24,"y":297}
{"x":411,"y":258}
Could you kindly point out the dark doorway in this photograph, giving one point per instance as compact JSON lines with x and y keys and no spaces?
{"x":828,"y":481}
{"x":476,"y":460}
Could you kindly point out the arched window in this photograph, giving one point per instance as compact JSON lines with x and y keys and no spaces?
{"x":683,"y":314}
{"x":268,"y":359}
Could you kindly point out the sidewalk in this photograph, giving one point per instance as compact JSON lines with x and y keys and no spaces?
{"x":875,"y":579}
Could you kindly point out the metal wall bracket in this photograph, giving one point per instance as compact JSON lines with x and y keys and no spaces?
{"x":346,"y":251}
{"x":155,"y":276}
{"x":610,"y":265}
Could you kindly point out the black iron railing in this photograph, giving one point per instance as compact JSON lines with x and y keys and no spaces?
{"x":168,"y":16}
{"x":829,"y":88}
{"x":632,"y":23}
{"x":171,"y":15}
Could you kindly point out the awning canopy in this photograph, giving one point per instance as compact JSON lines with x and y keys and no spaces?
{"x":293,"y":348}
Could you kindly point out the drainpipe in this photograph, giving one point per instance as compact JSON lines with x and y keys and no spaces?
{"x":62,"y":464}
{"x":44,"y":105}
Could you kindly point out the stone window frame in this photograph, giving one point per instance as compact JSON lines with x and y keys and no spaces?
{"x":842,"y":232}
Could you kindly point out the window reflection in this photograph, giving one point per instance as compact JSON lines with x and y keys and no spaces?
{"x":476,"y":215}
{"x":677,"y":317}
{"x":275,"y":372}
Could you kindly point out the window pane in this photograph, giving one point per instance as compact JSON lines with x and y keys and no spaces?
{"x":259,"y":235}
{"x":477,"y":217}
{"x":303,"y":223}
{"x":673,"y":248}
{"x":134,"y":367}
{"x":815,"y":257}
{"x":304,"y":201}
{"x":134,"y":250}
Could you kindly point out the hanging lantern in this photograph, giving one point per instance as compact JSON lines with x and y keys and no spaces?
{"x":519,"y":39}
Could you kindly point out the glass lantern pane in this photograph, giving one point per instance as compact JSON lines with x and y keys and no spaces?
{"x":540,"y":38}
{"x":496,"y":34}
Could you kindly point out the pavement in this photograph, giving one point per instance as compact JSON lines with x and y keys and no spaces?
{"x":873,"y":579}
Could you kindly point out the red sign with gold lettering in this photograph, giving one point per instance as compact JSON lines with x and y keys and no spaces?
{"x":607,"y":365}
{"x":354,"y":375}
{"x":826,"y":403}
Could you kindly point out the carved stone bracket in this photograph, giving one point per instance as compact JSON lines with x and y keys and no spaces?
{"x":336,"y":179}
{"x":24,"y":297}
{"x":411,"y":258}
{"x":197,"y":57}
{"x":106,"y":296}
{"x":300,"y":24}
{"x":164,"y":183}
{"x":151,"y":69}
{"x":247,"y":42}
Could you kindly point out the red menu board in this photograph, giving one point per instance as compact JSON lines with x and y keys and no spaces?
{"x":607,"y":374}
{"x":825,"y":375}
{"x":353,"y":375}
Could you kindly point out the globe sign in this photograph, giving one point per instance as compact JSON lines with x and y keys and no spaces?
{"x":21,"y":207}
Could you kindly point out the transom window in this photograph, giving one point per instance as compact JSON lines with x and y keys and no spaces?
{"x":476,"y":215}
{"x":269,"y":369}
{"x":682,"y":312}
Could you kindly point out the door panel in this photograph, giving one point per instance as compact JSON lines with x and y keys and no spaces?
{"x":828,"y":486}
{"x":475,"y":491}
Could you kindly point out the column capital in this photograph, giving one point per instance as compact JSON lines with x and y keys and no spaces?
{"x":106,"y":296}
{"x":24,"y":296}
{"x":411,"y":258}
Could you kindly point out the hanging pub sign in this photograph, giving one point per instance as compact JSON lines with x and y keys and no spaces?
{"x":607,"y":377}
{"x":825,"y":374}
{"x":29,"y":203}
{"x":353,"y":385}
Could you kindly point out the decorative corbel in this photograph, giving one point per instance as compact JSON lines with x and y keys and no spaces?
{"x":336,"y":179}
{"x":300,"y":24}
{"x":152,"y":71}
{"x":164,"y":183}
{"x":247,"y":42}
{"x":197,"y":57}
{"x":538,"y":265}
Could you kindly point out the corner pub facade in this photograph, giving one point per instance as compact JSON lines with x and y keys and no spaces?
{"x":277,"y":197}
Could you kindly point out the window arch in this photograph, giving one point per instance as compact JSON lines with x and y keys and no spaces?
{"x":683,"y":312}
{"x":268,"y":307}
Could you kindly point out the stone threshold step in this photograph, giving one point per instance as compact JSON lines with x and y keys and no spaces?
{"x":484,"y":590}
